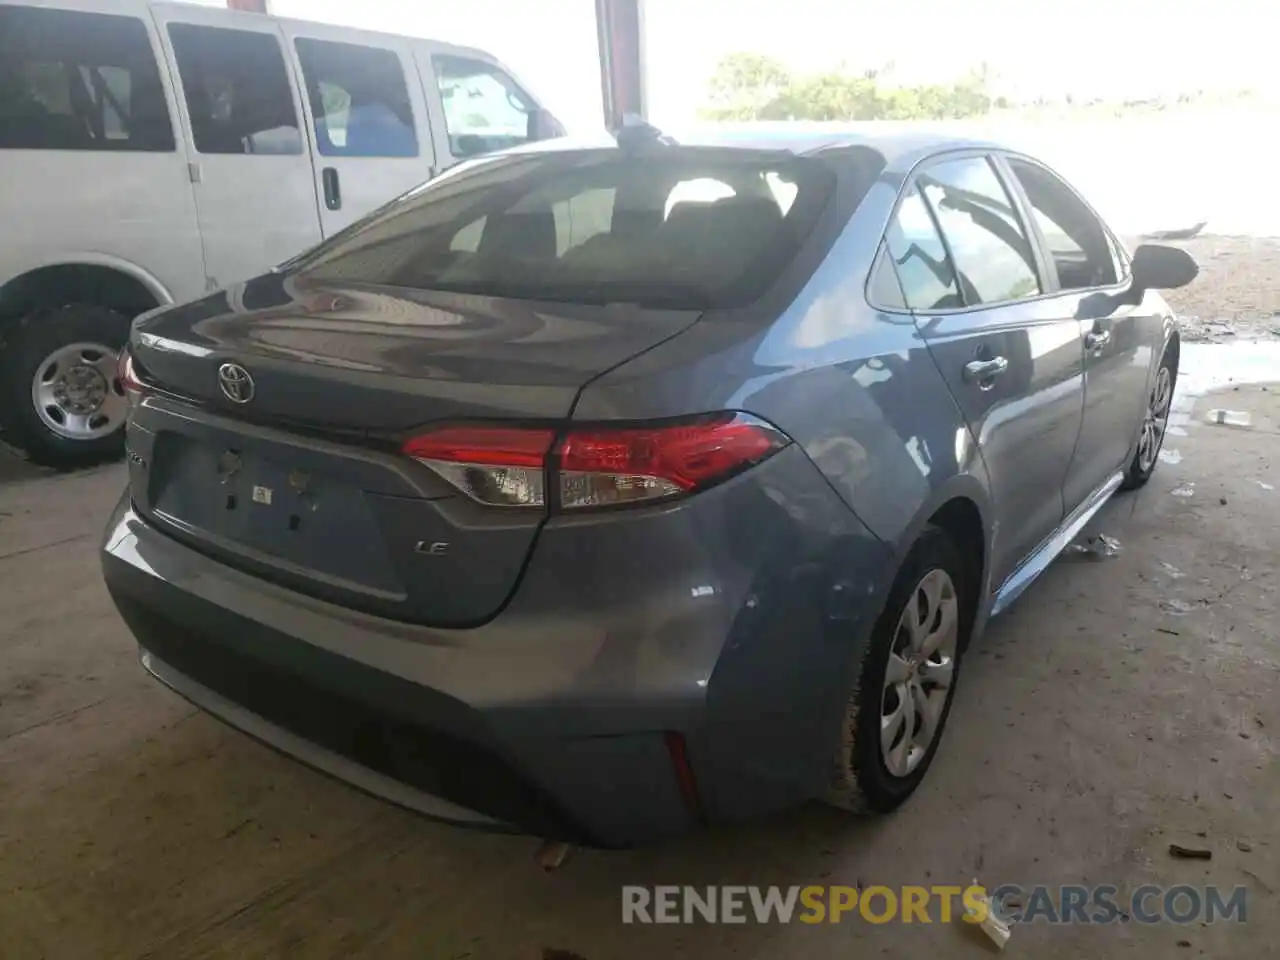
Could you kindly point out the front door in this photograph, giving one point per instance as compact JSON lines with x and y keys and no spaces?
{"x":250,"y":170}
{"x":481,"y":105}
{"x":1118,"y":334}
{"x":369,"y":129}
{"x":1012,"y":363}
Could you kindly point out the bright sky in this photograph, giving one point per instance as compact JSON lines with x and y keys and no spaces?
{"x":1114,"y":48}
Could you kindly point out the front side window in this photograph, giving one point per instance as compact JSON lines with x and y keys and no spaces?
{"x":359,"y":100}
{"x":484,"y":110}
{"x":237,"y":90}
{"x":690,"y":229}
{"x":1076,"y":240}
{"x":915,"y":250}
{"x":79,"y":81}
{"x":992,"y":255}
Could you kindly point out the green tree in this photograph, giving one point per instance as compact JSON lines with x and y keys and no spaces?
{"x":750,"y":86}
{"x":745,"y":85}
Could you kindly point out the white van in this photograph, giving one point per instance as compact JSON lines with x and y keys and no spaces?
{"x":150,"y":152}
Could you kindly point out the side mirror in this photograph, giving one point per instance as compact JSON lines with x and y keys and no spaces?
{"x":1157,"y":267}
{"x":544,"y":126}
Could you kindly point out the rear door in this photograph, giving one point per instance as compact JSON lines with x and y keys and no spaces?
{"x":974,"y":281}
{"x":240,"y":110}
{"x":370,"y":136}
{"x":1118,"y":335}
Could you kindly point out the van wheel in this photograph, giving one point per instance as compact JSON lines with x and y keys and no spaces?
{"x":902,"y":695}
{"x":60,"y":399}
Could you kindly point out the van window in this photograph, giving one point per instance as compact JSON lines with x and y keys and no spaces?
{"x":79,"y":81}
{"x":484,"y":110}
{"x":237,"y":91}
{"x":359,"y":101}
{"x":589,"y":227}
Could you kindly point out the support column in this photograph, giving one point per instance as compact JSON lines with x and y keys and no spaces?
{"x":620,"y":32}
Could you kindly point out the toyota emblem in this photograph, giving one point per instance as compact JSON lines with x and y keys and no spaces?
{"x":236,"y":383}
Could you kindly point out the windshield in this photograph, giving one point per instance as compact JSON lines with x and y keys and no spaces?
{"x":684,"y":228}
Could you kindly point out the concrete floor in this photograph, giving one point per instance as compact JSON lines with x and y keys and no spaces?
{"x":1095,"y":724}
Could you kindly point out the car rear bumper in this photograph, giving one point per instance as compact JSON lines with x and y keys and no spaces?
{"x":309,"y":752}
{"x":556,"y":718}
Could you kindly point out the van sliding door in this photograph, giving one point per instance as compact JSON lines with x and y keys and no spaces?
{"x":370,"y":138}
{"x":255,"y":193}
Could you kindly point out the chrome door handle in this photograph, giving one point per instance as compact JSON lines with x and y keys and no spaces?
{"x":980,"y":370}
{"x":1097,"y":339}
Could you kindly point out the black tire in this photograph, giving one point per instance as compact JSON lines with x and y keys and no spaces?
{"x":861,"y":781}
{"x":24,"y":346}
{"x":1138,"y":473}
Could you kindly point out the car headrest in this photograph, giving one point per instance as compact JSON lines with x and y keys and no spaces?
{"x":528,"y":236}
{"x":734,"y":226}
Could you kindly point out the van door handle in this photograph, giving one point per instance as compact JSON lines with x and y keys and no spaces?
{"x":332,"y":190}
{"x":1097,"y":339}
{"x":983,"y":371}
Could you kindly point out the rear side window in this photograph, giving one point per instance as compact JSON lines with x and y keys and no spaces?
{"x":990,"y":249}
{"x":484,"y":109}
{"x":359,"y":101}
{"x":593,"y":227}
{"x":885,"y":290}
{"x":916,"y":251}
{"x":79,"y":81}
{"x":237,"y":91}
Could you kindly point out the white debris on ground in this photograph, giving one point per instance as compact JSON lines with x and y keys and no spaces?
{"x":1179,"y":608}
{"x":985,"y":913}
{"x":1097,"y":547}
{"x":1229,"y":418}
{"x":1203,"y":367}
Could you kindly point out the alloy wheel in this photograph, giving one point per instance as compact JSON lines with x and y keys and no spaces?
{"x":920,"y":672}
{"x":1156,"y":420}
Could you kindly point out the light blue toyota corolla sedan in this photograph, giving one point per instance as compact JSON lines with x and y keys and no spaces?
{"x":599,"y":492}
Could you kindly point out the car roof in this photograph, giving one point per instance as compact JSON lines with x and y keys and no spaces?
{"x":901,"y":144}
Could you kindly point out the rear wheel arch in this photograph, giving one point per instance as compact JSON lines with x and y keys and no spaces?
{"x":962,"y":521}
{"x":961,"y":506}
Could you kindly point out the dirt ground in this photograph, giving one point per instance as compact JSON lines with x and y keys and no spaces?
{"x":1121,"y":705}
{"x":1237,"y":294}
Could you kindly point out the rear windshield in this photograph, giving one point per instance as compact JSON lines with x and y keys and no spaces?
{"x":685,"y":228}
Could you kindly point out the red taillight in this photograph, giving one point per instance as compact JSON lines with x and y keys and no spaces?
{"x":500,"y":466}
{"x":603,"y":467}
{"x":595,"y":467}
{"x":127,"y":373}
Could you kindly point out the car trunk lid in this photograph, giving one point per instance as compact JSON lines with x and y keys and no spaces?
{"x":387,"y":360}
{"x":302,"y":480}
